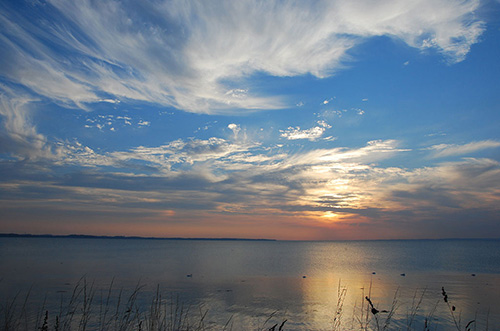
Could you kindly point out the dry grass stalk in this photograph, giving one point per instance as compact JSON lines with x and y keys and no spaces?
{"x":117,"y":311}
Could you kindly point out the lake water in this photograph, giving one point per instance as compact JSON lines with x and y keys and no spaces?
{"x":256,"y":284}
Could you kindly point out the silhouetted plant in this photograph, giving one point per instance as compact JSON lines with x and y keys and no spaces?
{"x":115,"y":310}
{"x":452,"y":312}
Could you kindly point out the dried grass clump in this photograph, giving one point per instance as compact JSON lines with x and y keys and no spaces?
{"x":88,"y":308}
{"x":112,"y":310}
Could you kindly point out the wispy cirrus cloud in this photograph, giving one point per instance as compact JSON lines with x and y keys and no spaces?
{"x":18,"y":135}
{"x":445,"y":150}
{"x":451,"y":187}
{"x":195,"y":56}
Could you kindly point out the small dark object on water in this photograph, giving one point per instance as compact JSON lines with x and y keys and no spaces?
{"x":373,"y":273}
{"x":473,"y":275}
{"x":304,"y":276}
{"x":403,"y":275}
{"x":190,"y":275}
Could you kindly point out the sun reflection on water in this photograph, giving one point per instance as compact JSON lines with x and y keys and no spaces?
{"x":255,"y":284}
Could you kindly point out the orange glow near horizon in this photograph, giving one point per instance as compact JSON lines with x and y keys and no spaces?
{"x":264,"y":224}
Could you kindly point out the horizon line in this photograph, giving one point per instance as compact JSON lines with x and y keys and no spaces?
{"x":87,"y":236}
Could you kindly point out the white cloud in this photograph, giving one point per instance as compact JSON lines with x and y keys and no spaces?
{"x":470,"y":183}
{"x":324,"y":124}
{"x":445,"y":150}
{"x":435,"y":134}
{"x":374,"y":151}
{"x":183,"y":153}
{"x":112,"y":122}
{"x":237,"y":93}
{"x":235,"y":128}
{"x":332,"y":114}
{"x":19,"y":136}
{"x":110,"y":100}
{"x":196,"y":56}
{"x":312,"y":134}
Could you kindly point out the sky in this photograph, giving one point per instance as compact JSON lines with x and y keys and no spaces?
{"x":292,"y":120}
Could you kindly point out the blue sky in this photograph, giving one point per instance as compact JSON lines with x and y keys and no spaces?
{"x":289,"y":120}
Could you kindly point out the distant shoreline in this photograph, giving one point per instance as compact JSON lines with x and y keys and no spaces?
{"x":84,"y":236}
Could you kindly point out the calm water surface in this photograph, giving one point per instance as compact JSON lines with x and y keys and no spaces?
{"x":250,"y":281}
